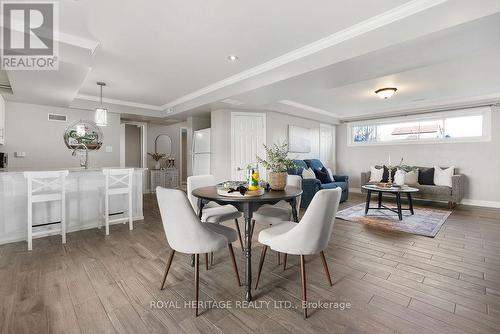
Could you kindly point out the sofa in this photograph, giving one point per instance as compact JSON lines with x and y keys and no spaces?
{"x":311,"y":186}
{"x":452,"y":195}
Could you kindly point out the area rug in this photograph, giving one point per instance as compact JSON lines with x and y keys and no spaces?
{"x":425,"y":221}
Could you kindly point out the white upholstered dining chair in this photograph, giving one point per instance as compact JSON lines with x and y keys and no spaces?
{"x":186,"y":234}
{"x":281,"y":211}
{"x":310,"y":236}
{"x":212,"y":212}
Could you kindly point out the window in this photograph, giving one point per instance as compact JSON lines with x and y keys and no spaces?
{"x":456,"y":126}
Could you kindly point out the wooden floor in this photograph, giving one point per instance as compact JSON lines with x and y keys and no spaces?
{"x":395,"y":283}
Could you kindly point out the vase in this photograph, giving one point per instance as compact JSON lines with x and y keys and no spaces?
{"x":157,"y":165}
{"x":277,"y":181}
{"x":399,"y":177}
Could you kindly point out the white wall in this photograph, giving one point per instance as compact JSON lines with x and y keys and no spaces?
{"x":479,"y":162}
{"x":276,"y":132}
{"x":28,"y":130}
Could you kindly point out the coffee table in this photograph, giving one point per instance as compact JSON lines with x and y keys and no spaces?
{"x":392,"y":190}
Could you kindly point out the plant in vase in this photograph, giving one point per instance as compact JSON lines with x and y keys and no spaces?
{"x":157,"y":157}
{"x":277,"y":164}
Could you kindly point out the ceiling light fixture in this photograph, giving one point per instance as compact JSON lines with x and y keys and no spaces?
{"x":101,"y":113}
{"x":385,"y":93}
{"x":232,"y":58}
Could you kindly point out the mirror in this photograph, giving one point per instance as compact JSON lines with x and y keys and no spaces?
{"x":163,"y":144}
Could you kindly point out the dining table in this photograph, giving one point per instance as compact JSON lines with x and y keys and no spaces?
{"x":248,"y":205}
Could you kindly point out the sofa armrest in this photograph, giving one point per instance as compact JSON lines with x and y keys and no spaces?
{"x":341,"y":178}
{"x":365,"y":178}
{"x":457,"y":187}
{"x":311,"y":184}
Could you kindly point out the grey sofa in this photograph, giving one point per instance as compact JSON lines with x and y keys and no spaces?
{"x":452,"y":195}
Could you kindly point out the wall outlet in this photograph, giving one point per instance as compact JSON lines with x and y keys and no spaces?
{"x":20,"y":154}
{"x":109,"y":149}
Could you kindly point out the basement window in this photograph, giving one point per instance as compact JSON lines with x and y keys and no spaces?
{"x":465,"y":125}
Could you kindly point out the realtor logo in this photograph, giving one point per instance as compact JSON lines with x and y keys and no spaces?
{"x":29,"y":40}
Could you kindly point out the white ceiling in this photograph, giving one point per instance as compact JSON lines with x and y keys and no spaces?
{"x":169,"y":58}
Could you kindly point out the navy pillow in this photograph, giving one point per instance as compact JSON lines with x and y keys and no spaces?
{"x":323,"y":176}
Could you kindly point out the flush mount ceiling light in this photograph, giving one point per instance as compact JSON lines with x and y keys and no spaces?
{"x":101,"y":113}
{"x":232,"y":58}
{"x":385,"y":93}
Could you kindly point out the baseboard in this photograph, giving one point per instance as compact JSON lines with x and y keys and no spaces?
{"x":17,"y":238}
{"x":465,"y":201}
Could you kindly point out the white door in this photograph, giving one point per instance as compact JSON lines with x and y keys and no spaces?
{"x":2,"y":120}
{"x":327,"y":145}
{"x":248,"y":135}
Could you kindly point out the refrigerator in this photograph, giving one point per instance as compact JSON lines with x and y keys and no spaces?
{"x":201,"y":152}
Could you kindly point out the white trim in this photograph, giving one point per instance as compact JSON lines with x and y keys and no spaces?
{"x":180,"y":153}
{"x":465,"y":201}
{"x":307,"y":108}
{"x":375,"y":22}
{"x":119,"y":102}
{"x":483,"y":111}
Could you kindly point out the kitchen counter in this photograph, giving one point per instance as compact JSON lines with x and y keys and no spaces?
{"x":71,"y":169}
{"x":84,"y":201}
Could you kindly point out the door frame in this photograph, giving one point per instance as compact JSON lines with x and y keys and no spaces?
{"x":144,"y":142}
{"x":243,"y":113}
{"x":180,"y":152}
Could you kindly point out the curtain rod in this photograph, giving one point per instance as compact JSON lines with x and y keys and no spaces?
{"x":421,"y":112}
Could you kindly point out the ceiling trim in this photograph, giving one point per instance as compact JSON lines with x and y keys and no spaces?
{"x":119,"y":102}
{"x":307,"y":108}
{"x":408,"y":9}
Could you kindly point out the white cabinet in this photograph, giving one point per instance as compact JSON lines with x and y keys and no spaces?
{"x":2,"y":120}
{"x":166,"y":178}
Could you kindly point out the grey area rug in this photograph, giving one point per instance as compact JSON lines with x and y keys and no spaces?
{"x":425,"y":221}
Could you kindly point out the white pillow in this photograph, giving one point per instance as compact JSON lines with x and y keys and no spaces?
{"x":331,"y":174}
{"x":376,"y":174}
{"x":411,"y":177}
{"x":442,"y":177}
{"x":308,"y":174}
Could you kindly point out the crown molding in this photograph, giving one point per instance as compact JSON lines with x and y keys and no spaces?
{"x":307,"y":108}
{"x":119,"y":102}
{"x":408,"y":9}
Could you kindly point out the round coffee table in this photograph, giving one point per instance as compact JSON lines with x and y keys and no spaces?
{"x":393,"y":190}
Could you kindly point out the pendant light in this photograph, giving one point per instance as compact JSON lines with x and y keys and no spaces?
{"x":101,"y":113}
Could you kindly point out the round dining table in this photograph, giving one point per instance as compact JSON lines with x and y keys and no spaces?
{"x":248,"y":205}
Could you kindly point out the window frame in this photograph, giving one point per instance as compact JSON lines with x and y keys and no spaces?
{"x":441,"y":115}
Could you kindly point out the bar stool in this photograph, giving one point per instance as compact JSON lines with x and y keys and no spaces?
{"x":43,"y":187}
{"x":118,"y":182}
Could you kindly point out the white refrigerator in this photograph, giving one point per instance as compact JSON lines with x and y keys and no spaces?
{"x":201,"y":152}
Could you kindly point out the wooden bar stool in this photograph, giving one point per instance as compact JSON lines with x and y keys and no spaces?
{"x":43,"y":187}
{"x":118,"y":182}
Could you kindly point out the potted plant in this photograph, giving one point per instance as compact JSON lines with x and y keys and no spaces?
{"x":157,"y":157}
{"x":277,"y":164}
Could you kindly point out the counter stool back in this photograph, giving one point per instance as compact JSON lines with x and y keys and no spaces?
{"x":118,"y":182}
{"x":49,"y":186}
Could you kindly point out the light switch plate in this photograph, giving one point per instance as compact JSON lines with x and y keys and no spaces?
{"x":20,"y":154}
{"x":109,"y":149}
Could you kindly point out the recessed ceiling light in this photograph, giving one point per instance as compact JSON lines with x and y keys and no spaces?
{"x":385,"y":93}
{"x":232,"y":58}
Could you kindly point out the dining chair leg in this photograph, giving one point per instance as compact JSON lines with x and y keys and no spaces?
{"x":196,"y":281}
{"x":239,"y":233}
{"x":206,"y":261}
{"x":325,"y":266}
{"x":261,"y":263}
{"x":303,"y":280}
{"x":235,"y":267}
{"x":251,"y":231}
{"x":212,"y":258}
{"x":279,"y":258}
{"x":170,"y":258}
{"x":285,"y":257}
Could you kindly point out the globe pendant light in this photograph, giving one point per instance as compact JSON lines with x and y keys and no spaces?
{"x":101,"y":113}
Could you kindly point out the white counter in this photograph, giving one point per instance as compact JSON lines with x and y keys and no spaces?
{"x":83,"y":202}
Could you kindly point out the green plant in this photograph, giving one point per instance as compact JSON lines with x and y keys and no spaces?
{"x":277,"y":158}
{"x":157,"y":156}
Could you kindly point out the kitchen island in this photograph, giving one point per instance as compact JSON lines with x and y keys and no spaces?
{"x":84,"y":201}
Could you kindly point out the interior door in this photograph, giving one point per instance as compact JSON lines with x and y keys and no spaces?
{"x":248,"y":135}
{"x":327,"y":145}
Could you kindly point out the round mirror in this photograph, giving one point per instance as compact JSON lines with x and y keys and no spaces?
{"x":163,"y":144}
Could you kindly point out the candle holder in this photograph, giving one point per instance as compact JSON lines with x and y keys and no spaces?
{"x":389,"y":183}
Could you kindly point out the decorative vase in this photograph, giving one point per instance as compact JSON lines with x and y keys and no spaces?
{"x":399,"y":177}
{"x":277,"y":181}
{"x":157,"y":165}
